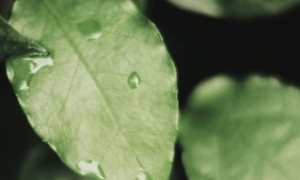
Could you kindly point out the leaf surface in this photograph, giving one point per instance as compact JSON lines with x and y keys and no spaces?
{"x":237,"y":9}
{"x":106,"y":98}
{"x":242,"y":130}
{"x":14,"y":44}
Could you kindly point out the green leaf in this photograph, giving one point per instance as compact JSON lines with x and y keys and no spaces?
{"x":242,"y":130}
{"x":106,"y":100}
{"x":237,"y":9}
{"x":13,"y":44}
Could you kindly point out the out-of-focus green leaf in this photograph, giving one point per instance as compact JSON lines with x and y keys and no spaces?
{"x":242,"y":130}
{"x":236,"y":9}
{"x":106,"y":100}
{"x":141,"y":4}
{"x":12,"y":44}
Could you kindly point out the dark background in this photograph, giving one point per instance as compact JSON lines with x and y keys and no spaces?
{"x":16,"y":136}
{"x":200,"y":46}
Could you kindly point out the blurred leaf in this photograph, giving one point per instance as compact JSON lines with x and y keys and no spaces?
{"x":141,"y":4}
{"x":106,"y":101}
{"x":12,"y":44}
{"x":237,"y":9}
{"x":242,"y":130}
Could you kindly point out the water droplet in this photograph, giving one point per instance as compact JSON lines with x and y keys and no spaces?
{"x":142,"y":175}
{"x":24,"y":85}
{"x":94,"y":36}
{"x":29,"y":79}
{"x":35,"y":64}
{"x":133,"y":80}
{"x":90,"y":28}
{"x":91,"y":168}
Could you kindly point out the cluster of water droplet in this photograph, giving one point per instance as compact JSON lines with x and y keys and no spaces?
{"x":134,"y":80}
{"x":91,"y":168}
{"x":35,"y":64}
{"x":26,"y":70}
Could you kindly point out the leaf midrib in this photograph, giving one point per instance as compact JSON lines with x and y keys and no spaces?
{"x":81,"y":59}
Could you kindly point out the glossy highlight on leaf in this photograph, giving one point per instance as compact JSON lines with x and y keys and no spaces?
{"x":242,"y":130}
{"x":106,"y":98}
{"x":14,"y":44}
{"x":91,"y":168}
{"x":134,"y":80}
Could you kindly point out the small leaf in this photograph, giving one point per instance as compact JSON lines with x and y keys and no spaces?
{"x":13,"y":44}
{"x":106,"y":100}
{"x":237,"y":9}
{"x":242,"y":130}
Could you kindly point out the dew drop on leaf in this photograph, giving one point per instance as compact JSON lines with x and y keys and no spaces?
{"x":90,"y":28}
{"x":29,"y":78}
{"x":24,"y":86}
{"x":91,"y":168}
{"x":37,"y":63}
{"x":142,"y":175}
{"x":133,"y":80}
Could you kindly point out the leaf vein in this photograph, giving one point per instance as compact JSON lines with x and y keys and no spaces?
{"x":81,"y":59}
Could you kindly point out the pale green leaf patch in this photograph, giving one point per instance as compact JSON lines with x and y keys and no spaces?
{"x":105,"y":99}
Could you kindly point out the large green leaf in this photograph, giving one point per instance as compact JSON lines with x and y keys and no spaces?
{"x":237,"y":9}
{"x":106,"y":98}
{"x":242,"y":130}
{"x":13,"y":44}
